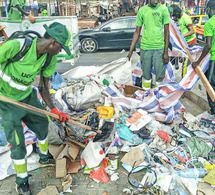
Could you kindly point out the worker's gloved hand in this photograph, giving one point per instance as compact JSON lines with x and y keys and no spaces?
{"x":32,"y":19}
{"x":63,"y":116}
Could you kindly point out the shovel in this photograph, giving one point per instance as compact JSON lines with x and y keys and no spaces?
{"x":38,"y":110}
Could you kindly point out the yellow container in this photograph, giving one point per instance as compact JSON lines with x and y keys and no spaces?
{"x":105,"y":111}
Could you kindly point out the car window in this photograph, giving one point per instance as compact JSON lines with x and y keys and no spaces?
{"x":119,"y":24}
{"x":195,"y":20}
{"x":132,"y":23}
{"x":204,"y":20}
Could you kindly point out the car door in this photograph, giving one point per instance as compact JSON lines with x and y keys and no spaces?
{"x":112,"y":35}
{"x":129,"y":32}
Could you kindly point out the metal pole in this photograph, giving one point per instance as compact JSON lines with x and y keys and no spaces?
{"x":67,"y":1}
{"x":6,"y":8}
{"x":49,"y":7}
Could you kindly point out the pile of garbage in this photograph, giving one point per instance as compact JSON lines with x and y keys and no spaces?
{"x":173,"y":158}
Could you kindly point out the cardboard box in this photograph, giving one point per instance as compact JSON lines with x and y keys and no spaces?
{"x":60,"y":170}
{"x":65,"y":156}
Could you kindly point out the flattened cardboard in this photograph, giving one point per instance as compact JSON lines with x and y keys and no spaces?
{"x":52,"y":190}
{"x":67,"y":182}
{"x":72,"y":167}
{"x":55,"y":150}
{"x":67,"y":149}
{"x":206,"y":188}
{"x":60,"y":170}
{"x":134,"y":155}
{"x":64,"y":155}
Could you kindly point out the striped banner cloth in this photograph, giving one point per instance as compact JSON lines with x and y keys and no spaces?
{"x":163,"y":101}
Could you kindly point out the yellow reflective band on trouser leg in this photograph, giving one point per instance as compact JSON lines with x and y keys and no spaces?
{"x":43,"y":145}
{"x":17,"y":138}
{"x":21,"y":167}
{"x":146,"y":84}
{"x":184,"y":71}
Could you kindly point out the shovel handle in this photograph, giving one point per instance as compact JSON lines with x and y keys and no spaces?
{"x":38,"y":110}
{"x":198,"y":69}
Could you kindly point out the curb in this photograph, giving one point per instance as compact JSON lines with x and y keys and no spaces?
{"x":197,"y":99}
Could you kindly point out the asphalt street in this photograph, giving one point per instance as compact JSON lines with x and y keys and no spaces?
{"x":99,"y":58}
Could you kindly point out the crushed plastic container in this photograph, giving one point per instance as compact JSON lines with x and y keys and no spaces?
{"x":93,"y":154}
{"x":105,"y":111}
{"x":192,"y":173}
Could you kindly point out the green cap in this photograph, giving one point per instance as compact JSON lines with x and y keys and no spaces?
{"x":170,"y":9}
{"x":59,"y":33}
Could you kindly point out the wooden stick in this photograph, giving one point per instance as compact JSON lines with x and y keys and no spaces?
{"x":38,"y":110}
{"x":3,"y":32}
{"x":198,"y":69}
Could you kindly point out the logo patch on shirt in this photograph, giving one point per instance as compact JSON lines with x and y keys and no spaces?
{"x":26,"y":75}
{"x":156,"y":14}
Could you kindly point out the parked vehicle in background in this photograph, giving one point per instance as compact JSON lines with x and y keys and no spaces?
{"x":199,"y":22}
{"x":114,"y":34}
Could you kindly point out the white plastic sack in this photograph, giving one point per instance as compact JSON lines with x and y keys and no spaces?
{"x":120,"y":69}
{"x":7,"y":168}
{"x":79,"y":94}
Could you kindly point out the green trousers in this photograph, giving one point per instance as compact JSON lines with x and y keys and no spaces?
{"x":210,"y":74}
{"x":150,"y":58}
{"x":12,"y":116}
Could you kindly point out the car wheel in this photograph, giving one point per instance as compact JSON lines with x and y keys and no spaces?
{"x":89,"y":45}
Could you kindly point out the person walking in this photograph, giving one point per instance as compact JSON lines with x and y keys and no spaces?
{"x":154,"y":43}
{"x":16,"y":78}
{"x":209,"y":33}
{"x":16,"y":11}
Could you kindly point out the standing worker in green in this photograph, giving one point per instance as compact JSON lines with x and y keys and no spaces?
{"x":45,"y":12}
{"x":209,"y":33}
{"x":16,"y":78}
{"x":16,"y":11}
{"x":187,"y":30}
{"x":154,"y":43}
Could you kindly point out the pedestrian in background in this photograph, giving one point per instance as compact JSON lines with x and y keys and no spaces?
{"x":16,"y":11}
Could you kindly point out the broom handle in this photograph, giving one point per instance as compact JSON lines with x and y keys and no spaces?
{"x":198,"y":69}
{"x":38,"y":110}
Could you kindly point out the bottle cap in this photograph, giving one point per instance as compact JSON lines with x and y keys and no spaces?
{"x":101,"y":152}
{"x":105,"y":82}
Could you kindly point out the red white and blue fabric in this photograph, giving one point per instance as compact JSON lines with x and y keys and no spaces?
{"x":163,"y":101}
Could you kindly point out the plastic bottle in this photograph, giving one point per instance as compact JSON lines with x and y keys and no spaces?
{"x":136,"y":139}
{"x":192,"y":173}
